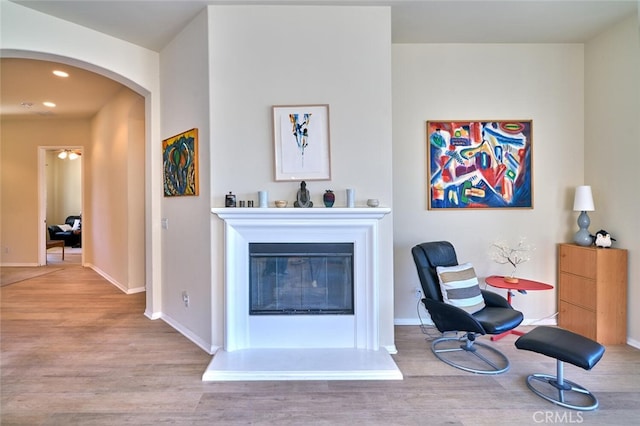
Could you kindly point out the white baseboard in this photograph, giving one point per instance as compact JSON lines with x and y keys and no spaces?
{"x":542,"y":321}
{"x":106,"y":276}
{"x":411,"y":321}
{"x":136,"y":290}
{"x":634,"y":343}
{"x":153,"y":315}
{"x":427,"y":321}
{"x":115,"y":282}
{"x":210,"y":349}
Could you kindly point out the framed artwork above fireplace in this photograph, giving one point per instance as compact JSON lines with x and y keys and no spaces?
{"x":301,"y":142}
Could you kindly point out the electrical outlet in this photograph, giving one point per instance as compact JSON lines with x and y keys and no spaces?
{"x":165,"y":223}
{"x":185,"y":298}
{"x":418,"y":291}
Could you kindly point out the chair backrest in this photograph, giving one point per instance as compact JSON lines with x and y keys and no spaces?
{"x":71,"y":219}
{"x":427,"y":257}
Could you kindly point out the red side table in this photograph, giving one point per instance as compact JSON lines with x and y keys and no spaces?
{"x":522,"y":286}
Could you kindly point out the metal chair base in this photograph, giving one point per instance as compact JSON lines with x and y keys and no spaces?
{"x":476,"y":351}
{"x":565,"y":390}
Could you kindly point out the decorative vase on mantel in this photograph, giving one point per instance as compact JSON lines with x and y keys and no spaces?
{"x":329,"y":198}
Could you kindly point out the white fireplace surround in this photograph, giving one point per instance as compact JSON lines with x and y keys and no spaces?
{"x":298,"y":347}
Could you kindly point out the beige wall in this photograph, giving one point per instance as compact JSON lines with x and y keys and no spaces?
{"x":113,"y":223}
{"x":20,"y":140}
{"x":64,"y":187}
{"x":612,"y":146}
{"x":543,"y":83}
{"x":136,"y":279}
{"x":353,"y":74}
{"x":25,"y":33}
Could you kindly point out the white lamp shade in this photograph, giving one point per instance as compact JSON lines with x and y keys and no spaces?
{"x":583,"y":201}
{"x":62,"y":155}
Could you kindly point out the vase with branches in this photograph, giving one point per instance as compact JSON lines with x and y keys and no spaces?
{"x":503,"y":253}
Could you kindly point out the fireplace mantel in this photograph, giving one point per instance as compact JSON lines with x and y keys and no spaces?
{"x":290,"y":213}
{"x":299,"y":347}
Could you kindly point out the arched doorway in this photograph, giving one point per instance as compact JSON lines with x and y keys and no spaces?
{"x":151,"y":240}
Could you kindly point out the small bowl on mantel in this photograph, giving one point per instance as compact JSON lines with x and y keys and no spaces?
{"x":281,"y":203}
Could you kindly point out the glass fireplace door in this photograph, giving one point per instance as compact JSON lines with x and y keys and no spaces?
{"x":301,"y":279}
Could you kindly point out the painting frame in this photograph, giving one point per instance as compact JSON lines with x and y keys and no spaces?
{"x":301,"y":137}
{"x":479,"y":164}
{"x":181,"y":164}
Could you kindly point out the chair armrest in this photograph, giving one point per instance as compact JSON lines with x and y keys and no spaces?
{"x":451,"y":318}
{"x":494,"y":299}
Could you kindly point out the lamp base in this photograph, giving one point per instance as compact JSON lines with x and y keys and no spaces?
{"x":583,"y":237}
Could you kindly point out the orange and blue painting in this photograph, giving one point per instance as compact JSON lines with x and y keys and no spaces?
{"x":479,"y":164}
{"x":180,"y":161}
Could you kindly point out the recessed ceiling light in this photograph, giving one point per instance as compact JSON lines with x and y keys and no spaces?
{"x":61,"y":73}
{"x":49,"y":104}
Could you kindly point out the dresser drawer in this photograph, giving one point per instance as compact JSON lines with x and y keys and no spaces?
{"x":578,"y":290}
{"x":577,"y":319}
{"x":578,"y":261}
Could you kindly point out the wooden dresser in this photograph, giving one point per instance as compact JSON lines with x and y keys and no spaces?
{"x":592,"y":292}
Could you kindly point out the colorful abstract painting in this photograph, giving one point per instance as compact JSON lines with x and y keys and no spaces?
{"x":479,"y":164}
{"x":180,"y":161}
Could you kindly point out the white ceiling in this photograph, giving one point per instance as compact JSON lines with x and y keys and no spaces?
{"x":153,"y":23}
{"x":27,"y":83}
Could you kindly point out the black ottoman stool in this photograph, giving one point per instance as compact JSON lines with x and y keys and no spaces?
{"x":564,"y":346}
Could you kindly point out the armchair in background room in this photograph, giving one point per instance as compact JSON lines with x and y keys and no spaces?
{"x":72,"y":234}
{"x":456,"y":304}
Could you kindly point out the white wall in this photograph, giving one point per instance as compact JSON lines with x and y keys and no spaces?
{"x":487,"y":81}
{"x":186,"y":255}
{"x":289,"y":55}
{"x":612,"y":145}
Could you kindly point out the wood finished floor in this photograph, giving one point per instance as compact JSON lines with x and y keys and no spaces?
{"x":77,"y":351}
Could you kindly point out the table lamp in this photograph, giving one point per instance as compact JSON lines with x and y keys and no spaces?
{"x":583,"y":203}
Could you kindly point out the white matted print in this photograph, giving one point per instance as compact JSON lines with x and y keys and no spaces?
{"x":301,"y":138}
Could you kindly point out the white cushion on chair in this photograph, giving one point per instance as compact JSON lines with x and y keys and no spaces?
{"x":459,"y":287}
